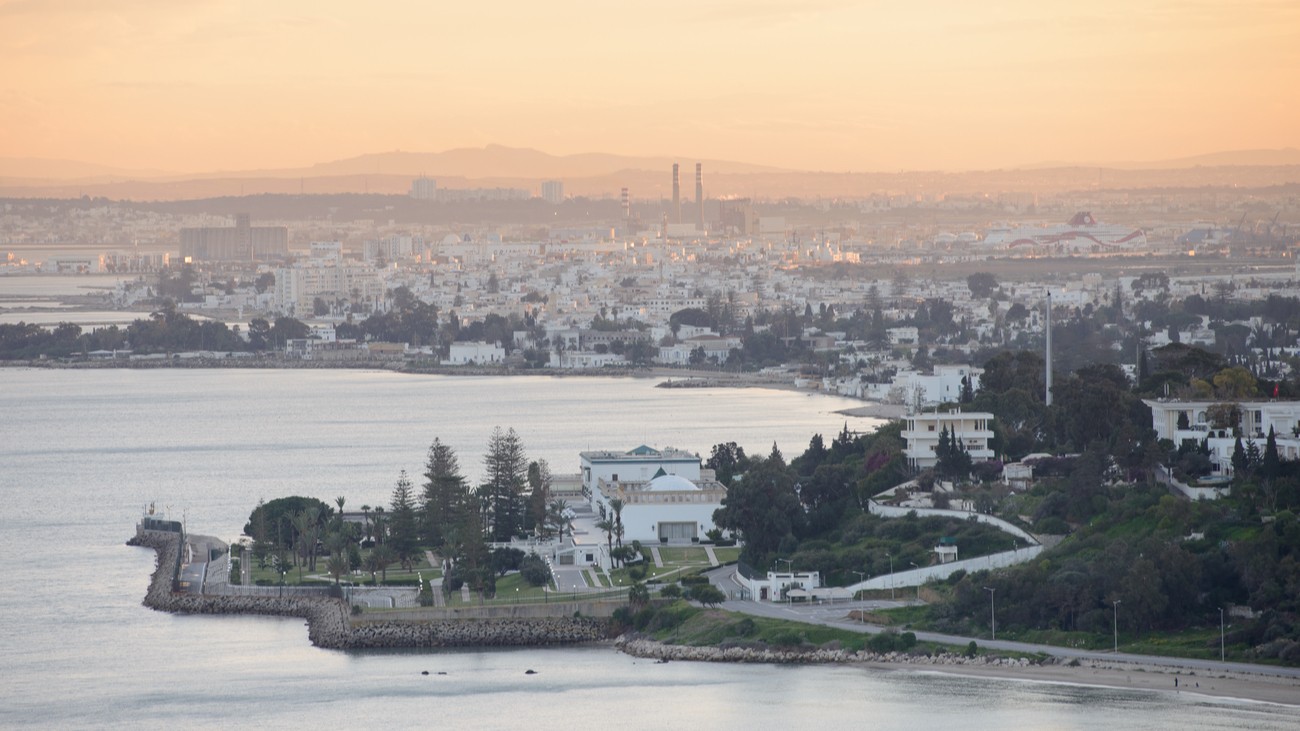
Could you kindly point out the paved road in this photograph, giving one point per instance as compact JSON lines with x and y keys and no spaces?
{"x":836,"y":615}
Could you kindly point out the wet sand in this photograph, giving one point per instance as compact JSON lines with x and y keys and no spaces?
{"x":1246,"y":686}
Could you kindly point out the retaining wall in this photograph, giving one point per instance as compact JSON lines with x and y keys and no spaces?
{"x":329,"y":625}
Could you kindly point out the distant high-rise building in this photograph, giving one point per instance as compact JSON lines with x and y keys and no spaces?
{"x":677,"y":196}
{"x":699,"y":196}
{"x":627,"y":204}
{"x":553,"y":192}
{"x":424,"y":189}
{"x":241,"y":242}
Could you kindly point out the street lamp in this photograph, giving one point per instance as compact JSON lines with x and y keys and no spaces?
{"x":891,"y":575}
{"x":862,"y":611}
{"x":993,"y":615}
{"x":1115,"y":608}
{"x":1221,"y":654}
{"x":789,"y":567}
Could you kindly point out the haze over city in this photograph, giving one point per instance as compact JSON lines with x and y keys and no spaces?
{"x":166,"y":87}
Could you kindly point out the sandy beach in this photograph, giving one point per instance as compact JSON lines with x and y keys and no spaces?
{"x":1246,"y":686}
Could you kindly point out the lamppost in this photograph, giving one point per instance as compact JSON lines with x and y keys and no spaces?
{"x":789,"y":567}
{"x":1115,"y":608}
{"x":862,"y":611}
{"x":993,"y":615}
{"x":1221,"y":653}
{"x":891,"y":575}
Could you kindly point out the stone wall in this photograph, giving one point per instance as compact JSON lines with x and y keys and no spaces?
{"x":328,"y":623}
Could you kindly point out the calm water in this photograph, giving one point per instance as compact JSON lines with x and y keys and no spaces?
{"x":83,"y":452}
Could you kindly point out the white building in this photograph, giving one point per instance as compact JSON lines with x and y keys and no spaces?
{"x":553,"y":192}
{"x":666,"y":495}
{"x":1256,"y":418}
{"x":973,"y":429}
{"x":475,"y":353}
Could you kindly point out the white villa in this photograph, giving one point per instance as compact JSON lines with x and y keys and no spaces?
{"x":974,"y":429}
{"x":1257,"y":417}
{"x":665,"y":493}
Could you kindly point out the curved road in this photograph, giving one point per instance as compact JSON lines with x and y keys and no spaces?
{"x":834,"y":615}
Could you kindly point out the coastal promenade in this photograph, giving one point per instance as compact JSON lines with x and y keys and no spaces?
{"x":838,"y":615}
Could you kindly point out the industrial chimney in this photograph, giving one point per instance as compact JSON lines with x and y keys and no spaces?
{"x":699,"y":196}
{"x":677,"y":196}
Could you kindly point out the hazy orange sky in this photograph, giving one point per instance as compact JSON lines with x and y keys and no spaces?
{"x":192,"y":85}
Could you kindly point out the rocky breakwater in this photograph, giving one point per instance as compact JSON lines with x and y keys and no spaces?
{"x":651,"y":649}
{"x":478,"y":632}
{"x":329,"y":625}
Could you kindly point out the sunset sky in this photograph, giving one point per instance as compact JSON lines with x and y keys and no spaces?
{"x":194,"y":85}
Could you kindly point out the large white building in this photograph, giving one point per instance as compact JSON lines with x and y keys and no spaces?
{"x":666,"y":494}
{"x":297,"y":288}
{"x":475,"y":353}
{"x":1255,"y":419}
{"x":973,"y":429}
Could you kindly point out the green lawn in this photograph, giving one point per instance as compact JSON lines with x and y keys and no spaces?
{"x":727,"y":554}
{"x":683,"y":555}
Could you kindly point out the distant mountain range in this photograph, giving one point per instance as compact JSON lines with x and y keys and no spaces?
{"x":599,"y":174}
{"x":1234,"y":158}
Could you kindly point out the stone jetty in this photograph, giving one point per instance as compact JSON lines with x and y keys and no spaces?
{"x":329,"y":624}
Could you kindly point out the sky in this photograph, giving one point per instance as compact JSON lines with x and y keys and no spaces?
{"x":835,"y":85}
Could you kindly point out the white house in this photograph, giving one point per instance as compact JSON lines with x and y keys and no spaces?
{"x":475,"y":353}
{"x":666,"y":495}
{"x":973,"y":429}
{"x":1256,"y":418}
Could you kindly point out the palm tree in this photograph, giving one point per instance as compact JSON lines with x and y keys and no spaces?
{"x":616,"y":505}
{"x":337,"y":565}
{"x":365,"y":511}
{"x":607,"y":525}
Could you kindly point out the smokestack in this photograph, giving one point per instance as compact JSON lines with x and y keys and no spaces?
{"x":677,"y":196}
{"x":699,"y":196}
{"x":1048,"y":396}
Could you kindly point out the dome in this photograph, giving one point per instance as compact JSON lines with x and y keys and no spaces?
{"x":667,"y":483}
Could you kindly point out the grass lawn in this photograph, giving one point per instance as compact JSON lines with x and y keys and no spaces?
{"x":727,"y":554}
{"x":683,"y":555}
{"x":395,"y":574}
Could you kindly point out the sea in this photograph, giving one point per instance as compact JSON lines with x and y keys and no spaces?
{"x":83,"y":452}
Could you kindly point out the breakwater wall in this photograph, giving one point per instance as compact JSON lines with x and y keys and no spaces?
{"x":651,"y":649}
{"x":329,"y":624}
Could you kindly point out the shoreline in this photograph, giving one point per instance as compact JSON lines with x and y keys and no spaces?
{"x":329,"y":627}
{"x":1234,"y":685}
{"x":1136,"y":677}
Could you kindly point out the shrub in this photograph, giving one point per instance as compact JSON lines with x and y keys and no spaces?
{"x":357,"y":610}
{"x":672,"y":591}
{"x":972,"y":649}
{"x":534,"y":570}
{"x":882,"y":643}
{"x":785,"y":638}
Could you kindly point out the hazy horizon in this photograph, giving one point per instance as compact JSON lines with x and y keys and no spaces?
{"x":831,"y":85}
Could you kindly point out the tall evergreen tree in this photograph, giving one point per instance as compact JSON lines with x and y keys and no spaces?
{"x":502,"y":491}
{"x":1239,"y":463}
{"x":403,"y":528}
{"x":445,"y":494}
{"x":1271,"y":466}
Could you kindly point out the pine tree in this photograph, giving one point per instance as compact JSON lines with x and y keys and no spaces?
{"x":445,"y":494}
{"x":403,"y":535}
{"x":502,"y":492}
